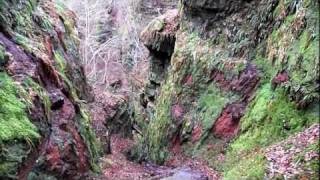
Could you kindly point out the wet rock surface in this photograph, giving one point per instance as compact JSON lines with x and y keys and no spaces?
{"x":182,"y":173}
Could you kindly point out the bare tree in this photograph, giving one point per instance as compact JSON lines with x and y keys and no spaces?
{"x":121,"y":45}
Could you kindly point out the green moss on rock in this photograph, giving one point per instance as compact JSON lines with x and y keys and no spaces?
{"x":211,"y":104}
{"x":14,"y":123}
{"x":17,"y":15}
{"x":293,"y":48}
{"x":3,"y":57}
{"x":158,"y":128}
{"x":271,"y":117}
{"x":194,"y":57}
{"x":11,"y":156}
{"x":60,"y":61}
{"x":17,"y":133}
{"x":249,"y":167}
{"x":92,"y":143}
{"x":48,"y":37}
{"x":31,"y":85}
{"x":285,"y":36}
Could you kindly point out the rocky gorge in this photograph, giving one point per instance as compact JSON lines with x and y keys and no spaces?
{"x":188,"y":89}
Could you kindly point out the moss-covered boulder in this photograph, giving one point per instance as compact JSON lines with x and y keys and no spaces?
{"x":45,"y":128}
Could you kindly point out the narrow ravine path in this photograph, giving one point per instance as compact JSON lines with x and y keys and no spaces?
{"x":106,"y":68}
{"x":116,"y":165}
{"x":159,"y":90}
{"x":105,"y":62}
{"x":179,"y":167}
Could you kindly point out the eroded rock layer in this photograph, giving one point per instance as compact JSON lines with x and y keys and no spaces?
{"x":45,"y":129}
{"x":243,"y":75}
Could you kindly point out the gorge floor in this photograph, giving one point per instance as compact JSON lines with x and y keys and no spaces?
{"x":117,"y":166}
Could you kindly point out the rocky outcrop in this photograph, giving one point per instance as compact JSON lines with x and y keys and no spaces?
{"x":111,"y":114}
{"x":152,"y":8}
{"x":213,"y":6}
{"x":159,"y":37}
{"x":45,"y":127}
{"x":244,"y":71}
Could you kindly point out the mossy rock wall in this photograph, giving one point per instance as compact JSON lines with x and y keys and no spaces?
{"x":243,"y":76}
{"x":45,"y":127}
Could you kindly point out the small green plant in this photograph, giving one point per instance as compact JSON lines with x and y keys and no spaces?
{"x":61,"y":62}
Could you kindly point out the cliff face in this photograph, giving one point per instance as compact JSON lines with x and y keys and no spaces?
{"x":243,"y":75}
{"x":45,"y":130}
{"x":230,"y":82}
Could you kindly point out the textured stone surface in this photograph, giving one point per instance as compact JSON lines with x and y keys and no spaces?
{"x":41,"y":51}
{"x":212,"y":5}
{"x":237,"y":79}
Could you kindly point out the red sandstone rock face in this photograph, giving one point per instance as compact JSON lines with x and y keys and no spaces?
{"x":177,"y":112}
{"x":244,"y":84}
{"x":196,"y":133}
{"x":279,"y":79}
{"x":105,"y":112}
{"x":188,"y":80}
{"x":53,"y":157}
{"x":227,"y":125}
{"x":62,"y":151}
{"x":62,"y":119}
{"x":20,"y":63}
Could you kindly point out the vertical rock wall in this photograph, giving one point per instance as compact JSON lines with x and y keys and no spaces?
{"x":45,"y":128}
{"x":243,"y":75}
